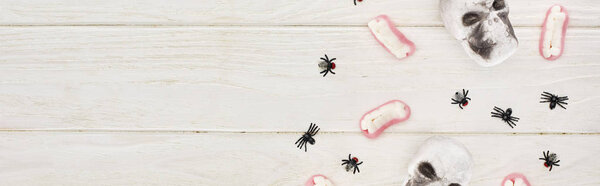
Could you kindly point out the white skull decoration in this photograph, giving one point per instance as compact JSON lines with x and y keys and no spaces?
{"x":483,"y":28}
{"x":440,"y":161}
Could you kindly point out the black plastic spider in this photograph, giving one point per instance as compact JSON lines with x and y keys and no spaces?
{"x":358,"y":1}
{"x":505,"y":116}
{"x":352,"y":163}
{"x":461,"y":99}
{"x":554,"y":100}
{"x":327,"y":65}
{"x":550,"y":159}
{"x":308,"y":136}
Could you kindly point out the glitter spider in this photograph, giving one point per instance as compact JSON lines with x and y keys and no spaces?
{"x":352,"y":163}
{"x":461,"y":99}
{"x":308,"y":136}
{"x":358,"y":1}
{"x":327,"y":65}
{"x":554,"y":100}
{"x":550,"y":159}
{"x":505,"y":116}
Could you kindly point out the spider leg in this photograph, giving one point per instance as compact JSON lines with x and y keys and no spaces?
{"x":496,"y":116}
{"x":465,"y":94}
{"x":323,"y":71}
{"x":298,"y":140}
{"x":460,"y":106}
{"x":315,"y":132}
{"x":357,"y":169}
{"x":542,"y":159}
{"x":305,"y":148}
{"x":326,"y":57}
{"x":550,"y":167}
{"x":547,"y":94}
{"x":467,"y":98}
{"x":332,"y":59}
{"x":511,"y":124}
{"x":311,"y":128}
{"x":349,"y":157}
{"x":332,"y":71}
{"x":499,"y":110}
{"x":564,"y":98}
{"x":354,"y":2}
{"x":544,"y":101}
{"x":559,"y":104}
{"x":454,"y":101}
{"x":326,"y":71}
{"x":362,"y":162}
{"x":300,"y":145}
{"x":556,"y":162}
{"x":345,"y":162}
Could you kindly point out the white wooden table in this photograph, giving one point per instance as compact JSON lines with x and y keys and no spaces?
{"x":181,"y":92}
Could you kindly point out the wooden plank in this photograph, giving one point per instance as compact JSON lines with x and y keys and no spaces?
{"x":271,"y":159}
{"x":265,"y":12}
{"x":180,"y":79}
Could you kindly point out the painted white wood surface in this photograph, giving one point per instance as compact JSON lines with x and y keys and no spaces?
{"x":265,"y":12}
{"x":266,"y":79}
{"x":215,"y":93}
{"x":32,"y":158}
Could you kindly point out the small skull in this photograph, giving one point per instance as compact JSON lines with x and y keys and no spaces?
{"x":440,"y":161}
{"x":483,"y":28}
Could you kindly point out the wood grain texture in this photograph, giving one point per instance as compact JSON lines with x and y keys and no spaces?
{"x":266,"y":79}
{"x":271,"y":159}
{"x":265,"y":12}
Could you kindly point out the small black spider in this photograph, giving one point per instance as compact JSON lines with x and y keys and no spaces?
{"x":461,"y":99}
{"x":358,"y":1}
{"x":554,"y":100}
{"x":327,"y":65}
{"x":308,"y":136}
{"x":352,"y":163}
{"x":550,"y":159}
{"x":505,"y":116}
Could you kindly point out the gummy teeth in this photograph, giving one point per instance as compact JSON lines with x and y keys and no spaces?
{"x":554,"y":28}
{"x":515,"y":179}
{"x":318,"y":180}
{"x":374,"y":122}
{"x":391,"y":38}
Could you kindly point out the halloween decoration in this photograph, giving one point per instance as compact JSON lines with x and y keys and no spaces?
{"x":327,"y":65}
{"x":391,"y":38}
{"x":318,"y":180}
{"x":554,"y":28}
{"x":440,"y":161}
{"x":352,"y":163}
{"x":554,"y":100}
{"x":358,"y":1}
{"x":550,"y":159}
{"x":461,"y":99}
{"x":374,"y":122}
{"x":482,"y":27}
{"x":506,"y":116}
{"x":515,"y":179}
{"x":308,"y":136}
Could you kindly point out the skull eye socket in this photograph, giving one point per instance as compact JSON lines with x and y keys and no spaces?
{"x":470,"y":18}
{"x":498,"y":5}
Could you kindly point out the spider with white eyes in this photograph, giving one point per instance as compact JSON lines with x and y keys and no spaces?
{"x":308,"y":136}
{"x":554,"y":100}
{"x":550,"y":159}
{"x":461,"y":99}
{"x":352,"y":163}
{"x":505,"y":116}
{"x":327,"y":65}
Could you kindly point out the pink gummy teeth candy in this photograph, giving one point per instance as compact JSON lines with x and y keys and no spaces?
{"x":554,"y":28}
{"x":318,"y":180}
{"x":374,"y":122}
{"x":391,"y":38}
{"x":515,"y":179}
